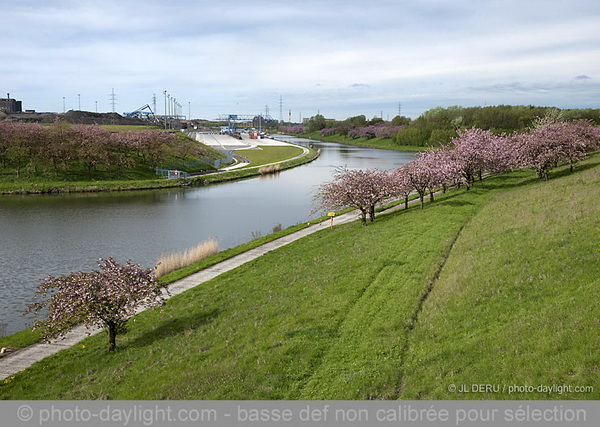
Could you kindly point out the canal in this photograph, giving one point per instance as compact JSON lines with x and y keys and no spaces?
{"x":59,"y":234}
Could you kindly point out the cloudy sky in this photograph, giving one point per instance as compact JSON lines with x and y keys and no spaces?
{"x":337,"y":57}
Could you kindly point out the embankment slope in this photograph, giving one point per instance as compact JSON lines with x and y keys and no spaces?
{"x":359,"y":312}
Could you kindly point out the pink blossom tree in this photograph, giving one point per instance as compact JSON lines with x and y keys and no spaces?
{"x":583,"y":137}
{"x":152,"y":144}
{"x":470,"y":153}
{"x":548,"y":145}
{"x":20,"y":142}
{"x":90,"y":144}
{"x":293,"y":129}
{"x":418,"y":175}
{"x":401,"y":184}
{"x":442,"y":169}
{"x":361,"y":189}
{"x":328,"y":131}
{"x":7,"y":132}
{"x":60,"y":150}
{"x":107,"y":297}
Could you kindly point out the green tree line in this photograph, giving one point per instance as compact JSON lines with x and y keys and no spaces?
{"x":439,"y":125}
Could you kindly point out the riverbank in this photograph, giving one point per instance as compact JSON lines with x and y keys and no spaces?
{"x":379,"y":143}
{"x":29,"y":187}
{"x":350,"y":313}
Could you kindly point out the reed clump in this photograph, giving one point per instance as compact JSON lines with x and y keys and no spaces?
{"x":176,"y":260}
{"x":269,"y":169}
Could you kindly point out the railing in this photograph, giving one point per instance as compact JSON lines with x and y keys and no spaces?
{"x":224,"y":160}
{"x":171,"y":173}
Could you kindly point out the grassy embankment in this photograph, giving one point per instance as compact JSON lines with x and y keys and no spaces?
{"x":381,"y":143}
{"x":28,"y":337}
{"x":143,"y":176}
{"x":253,"y":169}
{"x":109,"y":178}
{"x":269,"y":154}
{"x":357,"y":313}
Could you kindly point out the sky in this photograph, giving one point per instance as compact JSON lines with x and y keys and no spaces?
{"x":339,"y":58}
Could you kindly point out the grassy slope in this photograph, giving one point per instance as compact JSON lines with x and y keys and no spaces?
{"x":270,"y":154}
{"x":250,"y":171}
{"x":107,"y":178}
{"x":33,"y":185}
{"x":262,"y":330}
{"x":516,"y":303}
{"x":382,"y":143}
{"x":28,"y":337}
{"x":328,"y":317}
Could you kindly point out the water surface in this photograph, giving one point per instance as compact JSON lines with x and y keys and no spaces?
{"x":59,"y":234}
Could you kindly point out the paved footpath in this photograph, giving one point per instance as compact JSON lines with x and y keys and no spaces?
{"x":21,"y":359}
{"x":15,"y":362}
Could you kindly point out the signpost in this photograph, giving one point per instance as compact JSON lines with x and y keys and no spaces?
{"x":331,"y":215}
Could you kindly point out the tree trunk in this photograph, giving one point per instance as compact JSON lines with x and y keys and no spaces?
{"x":431,"y":195}
{"x":421,"y":197}
{"x":406,"y":202}
{"x":372,"y":213}
{"x":112,"y":337}
{"x":363,"y":216}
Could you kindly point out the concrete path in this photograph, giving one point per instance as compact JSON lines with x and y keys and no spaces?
{"x":229,"y":143}
{"x":21,"y":359}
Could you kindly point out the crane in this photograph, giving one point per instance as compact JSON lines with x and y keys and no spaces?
{"x":141,"y":114}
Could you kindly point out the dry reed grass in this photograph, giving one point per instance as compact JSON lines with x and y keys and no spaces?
{"x":176,"y":260}
{"x":269,"y":169}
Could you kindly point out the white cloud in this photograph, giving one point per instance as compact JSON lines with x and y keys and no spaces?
{"x":239,"y":56}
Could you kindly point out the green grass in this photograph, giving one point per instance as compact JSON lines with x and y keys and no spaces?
{"x":268,"y":154}
{"x":42,"y":186}
{"x":109,"y":178}
{"x":27,"y":337}
{"x":127,"y":128}
{"x":230,"y":253}
{"x":381,"y":143}
{"x":20,"y":339}
{"x":250,"y":172}
{"x":337,"y":314}
{"x":144,"y":178}
{"x":516,"y":303}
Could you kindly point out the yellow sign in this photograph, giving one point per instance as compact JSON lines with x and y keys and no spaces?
{"x":331,"y":214}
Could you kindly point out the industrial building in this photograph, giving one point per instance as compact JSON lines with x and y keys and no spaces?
{"x":8,"y":105}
